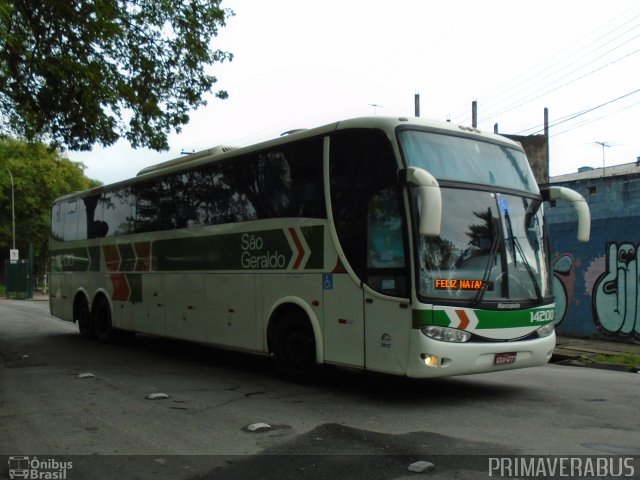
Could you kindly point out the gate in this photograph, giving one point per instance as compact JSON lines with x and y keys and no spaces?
{"x":19,"y":277}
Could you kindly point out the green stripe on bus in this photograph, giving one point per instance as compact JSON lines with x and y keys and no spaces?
{"x":127,"y":257}
{"x":72,"y":260}
{"x":94,"y":257}
{"x":277,"y":249}
{"x":487,"y":319}
{"x":135,"y":284}
{"x":315,"y":239}
{"x":262,"y":250}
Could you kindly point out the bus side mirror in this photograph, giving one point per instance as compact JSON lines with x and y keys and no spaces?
{"x":578,"y":202}
{"x":430,"y":199}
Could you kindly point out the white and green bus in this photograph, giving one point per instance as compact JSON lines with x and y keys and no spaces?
{"x":393,"y":245}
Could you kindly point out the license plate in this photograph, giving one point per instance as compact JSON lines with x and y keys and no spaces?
{"x":505,"y":358}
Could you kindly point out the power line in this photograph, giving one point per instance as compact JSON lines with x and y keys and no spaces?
{"x":565,"y":53}
{"x":574,"y":61}
{"x":602,"y":67}
{"x":592,"y":120}
{"x":570,"y":82}
{"x":584,"y":112}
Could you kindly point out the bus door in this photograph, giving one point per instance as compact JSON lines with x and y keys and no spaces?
{"x":366,"y":206}
{"x":386,"y":306}
{"x":343,"y":319}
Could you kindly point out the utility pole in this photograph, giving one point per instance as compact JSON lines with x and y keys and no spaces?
{"x":417,"y":105}
{"x":474,"y":114}
{"x":13,"y":210}
{"x":607,"y":145}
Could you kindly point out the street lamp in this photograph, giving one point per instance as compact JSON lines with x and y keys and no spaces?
{"x":13,"y":210}
{"x":375,"y":107}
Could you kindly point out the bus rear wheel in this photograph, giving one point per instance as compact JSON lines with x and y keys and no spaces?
{"x":102,"y":321}
{"x":82,"y":315}
{"x":294,"y":348}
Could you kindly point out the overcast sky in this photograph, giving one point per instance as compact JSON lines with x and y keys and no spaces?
{"x":305,"y":63}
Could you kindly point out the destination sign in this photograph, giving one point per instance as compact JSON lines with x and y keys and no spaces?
{"x":460,"y":284}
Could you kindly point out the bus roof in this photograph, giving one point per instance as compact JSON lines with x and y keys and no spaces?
{"x":387,"y":124}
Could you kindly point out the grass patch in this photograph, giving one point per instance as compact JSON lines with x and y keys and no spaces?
{"x":630,"y":360}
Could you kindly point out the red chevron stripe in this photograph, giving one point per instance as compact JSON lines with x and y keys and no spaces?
{"x":464,"y":319}
{"x":121,"y":288}
{"x":296,"y":240}
{"x":143,"y":254}
{"x":111,"y":257}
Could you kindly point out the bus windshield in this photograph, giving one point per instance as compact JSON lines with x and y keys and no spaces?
{"x":462,"y":159}
{"x":491,"y":247}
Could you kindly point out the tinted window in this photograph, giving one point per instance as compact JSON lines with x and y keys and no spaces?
{"x":70,"y":220}
{"x":449,"y":157}
{"x":95,"y":228}
{"x":285,"y":181}
{"x":57,"y":222}
{"x":365,"y":199}
{"x":116,"y":212}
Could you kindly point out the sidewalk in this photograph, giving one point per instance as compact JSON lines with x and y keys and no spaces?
{"x":584,"y":353}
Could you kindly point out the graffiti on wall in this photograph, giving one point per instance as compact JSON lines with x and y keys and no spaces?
{"x":564,"y":279}
{"x":616,"y":293}
{"x":611,"y":280}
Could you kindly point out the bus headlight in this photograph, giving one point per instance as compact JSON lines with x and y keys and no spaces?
{"x":445,"y":334}
{"x":546,"y":330}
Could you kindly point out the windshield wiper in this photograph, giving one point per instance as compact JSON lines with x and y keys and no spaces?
{"x":487,"y":270}
{"x":518,"y":248}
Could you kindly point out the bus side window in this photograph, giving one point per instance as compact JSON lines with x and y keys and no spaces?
{"x":57,"y":222}
{"x":71,"y":220}
{"x":115,"y":213}
{"x":386,"y":259}
{"x":385,"y":243}
{"x":361,"y":163}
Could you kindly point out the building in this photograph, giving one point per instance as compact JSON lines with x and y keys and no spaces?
{"x":597,"y":283}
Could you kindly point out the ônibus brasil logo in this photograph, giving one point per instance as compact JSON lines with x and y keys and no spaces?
{"x":36,"y":469}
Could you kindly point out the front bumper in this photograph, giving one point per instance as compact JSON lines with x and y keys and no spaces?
{"x":469,"y":357}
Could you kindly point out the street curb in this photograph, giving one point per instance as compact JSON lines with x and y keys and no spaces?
{"x":574,"y":361}
{"x":35,"y":298}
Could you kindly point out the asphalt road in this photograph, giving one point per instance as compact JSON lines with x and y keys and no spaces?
{"x":348,"y":425}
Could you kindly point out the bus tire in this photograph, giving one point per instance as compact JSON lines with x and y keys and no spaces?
{"x":103,"y":326}
{"x":82,"y":315}
{"x":294,"y":348}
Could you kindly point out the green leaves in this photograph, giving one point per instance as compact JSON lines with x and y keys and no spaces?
{"x":81,"y":73}
{"x":40,"y":176}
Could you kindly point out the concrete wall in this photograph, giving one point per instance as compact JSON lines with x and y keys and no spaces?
{"x":597,"y":284}
{"x":536,"y":149}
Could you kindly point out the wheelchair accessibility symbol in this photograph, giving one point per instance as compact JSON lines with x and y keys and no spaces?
{"x":327,"y":281}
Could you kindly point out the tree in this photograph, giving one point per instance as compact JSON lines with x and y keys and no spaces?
{"x":80,"y":73}
{"x":40,"y":176}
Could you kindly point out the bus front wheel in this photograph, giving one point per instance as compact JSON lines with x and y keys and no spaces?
{"x":294,"y":348}
{"x":102,"y":321}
